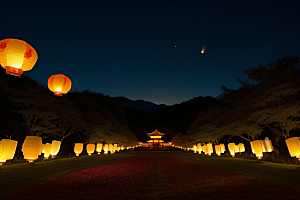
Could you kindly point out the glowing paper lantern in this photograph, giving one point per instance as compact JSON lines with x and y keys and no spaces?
{"x":268,"y":145}
{"x":218,"y":150}
{"x":31,"y":148}
{"x":7,"y":150}
{"x":222,"y":148}
{"x":105,"y":148}
{"x":293,"y":145}
{"x":115,"y":147}
{"x":257,"y":146}
{"x":55,"y":148}
{"x":43,"y":151}
{"x":17,"y":56}
{"x":78,"y":148}
{"x":122,"y":148}
{"x":111,"y":148}
{"x":241,"y":147}
{"x":203,"y":49}
{"x":210,"y":149}
{"x":99,"y":147}
{"x":199,"y":148}
{"x":47,"y":151}
{"x":195,"y":148}
{"x":90,"y":148}
{"x":59,"y":84}
{"x":236,"y":148}
{"x":205,"y":149}
{"x":231,"y":147}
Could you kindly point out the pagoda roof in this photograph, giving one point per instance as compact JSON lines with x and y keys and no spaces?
{"x":155,"y":133}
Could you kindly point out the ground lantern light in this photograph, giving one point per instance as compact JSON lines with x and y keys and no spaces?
{"x":59,"y":84}
{"x":99,"y":148}
{"x":241,"y":147}
{"x":218,"y":150}
{"x":32,"y":148}
{"x":257,"y":146}
{"x":16,"y":56}
{"x":199,"y":148}
{"x":231,"y":147}
{"x":115,"y":147}
{"x":268,"y":145}
{"x":7,"y":150}
{"x":55,"y":148}
{"x":222,"y":148}
{"x":90,"y":148}
{"x":210,"y":149}
{"x":293,"y":145}
{"x":47,"y":150}
{"x":105,"y":148}
{"x":111,"y":148}
{"x":78,"y":148}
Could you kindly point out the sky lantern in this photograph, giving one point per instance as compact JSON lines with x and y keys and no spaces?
{"x":257,"y":146}
{"x":231,"y":147}
{"x":293,"y":145}
{"x":111,"y":148}
{"x":199,"y":148}
{"x":78,"y":148}
{"x":59,"y":84}
{"x":7,"y":150}
{"x":105,"y":148}
{"x":222,"y":148}
{"x":203,"y":49}
{"x":205,"y":149}
{"x":17,"y":56}
{"x":55,"y":148}
{"x":210,"y":149}
{"x":99,"y":147}
{"x":90,"y":149}
{"x":218,"y":150}
{"x":241,"y":147}
{"x":47,"y":150}
{"x":32,"y":148}
{"x":268,"y":145}
{"x":236,"y":148}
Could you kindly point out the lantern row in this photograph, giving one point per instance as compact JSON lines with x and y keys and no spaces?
{"x":17,"y":56}
{"x":258,"y":147}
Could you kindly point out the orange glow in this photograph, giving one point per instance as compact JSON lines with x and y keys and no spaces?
{"x":154,"y":137}
{"x":222,"y":148}
{"x":32,"y":147}
{"x":99,"y":148}
{"x":257,"y":146}
{"x":293,"y":145}
{"x":218,"y":150}
{"x":90,"y":148}
{"x":231,"y":147}
{"x":47,"y":151}
{"x":55,"y":148}
{"x":268,"y":145}
{"x":59,"y":84}
{"x":241,"y":147}
{"x":7,"y":150}
{"x":203,"y":49}
{"x":78,"y":148}
{"x":17,"y":56}
{"x":105,"y":148}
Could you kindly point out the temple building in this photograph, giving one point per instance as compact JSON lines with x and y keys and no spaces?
{"x":155,"y":142}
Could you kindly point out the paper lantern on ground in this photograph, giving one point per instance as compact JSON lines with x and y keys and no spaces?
{"x":99,"y":147}
{"x":199,"y":148}
{"x":111,"y":148}
{"x":236,"y":148}
{"x":31,"y":148}
{"x":7,"y":150}
{"x":257,"y":148}
{"x":231,"y":147}
{"x":105,"y":148}
{"x":59,"y":84}
{"x":16,"y":56}
{"x":55,"y":148}
{"x":115,"y":147}
{"x":222,"y":148}
{"x":268,"y":145}
{"x":241,"y":147}
{"x":90,"y":148}
{"x":210,"y":149}
{"x":78,"y":148}
{"x":204,"y":148}
{"x":47,"y":150}
{"x":218,"y":150}
{"x":293,"y":145}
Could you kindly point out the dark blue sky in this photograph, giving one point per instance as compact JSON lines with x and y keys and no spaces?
{"x":150,"y":50}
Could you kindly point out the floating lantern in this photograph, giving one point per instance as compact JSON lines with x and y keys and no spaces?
{"x":204,"y":149}
{"x":59,"y":84}
{"x":203,"y":49}
{"x":105,"y":148}
{"x":231,"y":147}
{"x":32,"y":148}
{"x":241,"y":147}
{"x":78,"y":148}
{"x":195,"y":148}
{"x":47,"y":150}
{"x":257,"y":146}
{"x":218,"y":150}
{"x":122,"y":148}
{"x":222,"y":148}
{"x":268,"y":145}
{"x":99,"y":147}
{"x":210,"y":149}
{"x":236,"y":148}
{"x":55,"y":148}
{"x":7,"y":150}
{"x":293,"y":145}
{"x":17,"y":56}
{"x":90,"y":148}
{"x":111,"y":148}
{"x":199,"y":148}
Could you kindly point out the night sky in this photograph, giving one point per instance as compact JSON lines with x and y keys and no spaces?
{"x":150,"y":50}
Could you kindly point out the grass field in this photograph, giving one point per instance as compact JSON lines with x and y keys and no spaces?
{"x":14,"y":177}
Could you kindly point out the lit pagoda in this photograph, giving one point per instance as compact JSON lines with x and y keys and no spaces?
{"x":155,"y":141}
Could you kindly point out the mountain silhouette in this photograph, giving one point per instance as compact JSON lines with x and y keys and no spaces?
{"x":139,"y":104}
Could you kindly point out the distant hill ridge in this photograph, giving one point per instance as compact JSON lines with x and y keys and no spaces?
{"x":139,"y":104}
